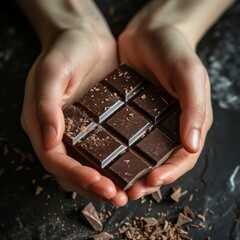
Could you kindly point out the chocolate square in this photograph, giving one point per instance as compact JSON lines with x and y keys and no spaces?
{"x":99,"y":146}
{"x":128,"y":124}
{"x":153,"y":102}
{"x":99,"y":103}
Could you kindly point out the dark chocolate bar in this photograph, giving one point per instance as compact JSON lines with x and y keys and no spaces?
{"x":123,"y":127}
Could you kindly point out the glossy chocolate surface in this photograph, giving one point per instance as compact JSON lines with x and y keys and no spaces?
{"x":123,"y":127}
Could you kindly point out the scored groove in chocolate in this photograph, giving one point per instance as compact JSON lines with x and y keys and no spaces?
{"x":123,"y":127}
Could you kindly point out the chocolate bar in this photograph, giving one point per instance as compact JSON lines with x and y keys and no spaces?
{"x":123,"y":127}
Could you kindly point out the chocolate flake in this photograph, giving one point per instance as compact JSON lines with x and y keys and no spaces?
{"x":38,"y":190}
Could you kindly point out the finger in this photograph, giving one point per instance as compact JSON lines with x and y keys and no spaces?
{"x":82,"y":177}
{"x":140,"y":189}
{"x":72,"y":188}
{"x":189,"y":80}
{"x":177,"y":165}
{"x":52,"y":80}
{"x":120,"y":199}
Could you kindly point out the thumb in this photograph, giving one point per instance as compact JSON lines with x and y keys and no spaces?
{"x":52,"y":79}
{"x":190,"y":83}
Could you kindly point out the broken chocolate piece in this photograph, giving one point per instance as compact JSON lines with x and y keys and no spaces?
{"x":157,"y":196}
{"x":177,"y":194}
{"x":120,"y":127}
{"x":101,"y":236}
{"x":183,"y":219}
{"x":92,"y":217}
{"x":150,"y":221}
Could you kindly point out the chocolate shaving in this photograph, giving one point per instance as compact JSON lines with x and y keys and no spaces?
{"x":188,"y":212}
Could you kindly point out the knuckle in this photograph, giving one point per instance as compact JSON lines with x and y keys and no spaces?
{"x":55,"y":64}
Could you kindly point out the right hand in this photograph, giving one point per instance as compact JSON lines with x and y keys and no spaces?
{"x":65,"y":70}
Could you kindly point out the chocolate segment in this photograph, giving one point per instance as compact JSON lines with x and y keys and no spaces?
{"x":77,"y":124}
{"x":128,"y":124}
{"x":123,"y":127}
{"x":99,"y":103}
{"x":156,"y":147}
{"x":170,"y":124}
{"x":153,"y":102}
{"x":125,"y":81}
{"x":129,"y":168}
{"x":99,"y":146}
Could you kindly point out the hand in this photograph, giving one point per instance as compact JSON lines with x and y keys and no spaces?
{"x":67,"y":67}
{"x":165,"y":52}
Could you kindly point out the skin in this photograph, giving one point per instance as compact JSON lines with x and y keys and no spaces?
{"x":77,"y":44}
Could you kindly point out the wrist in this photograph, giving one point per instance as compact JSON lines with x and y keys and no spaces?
{"x":191,"y":18}
{"x":51,"y":18}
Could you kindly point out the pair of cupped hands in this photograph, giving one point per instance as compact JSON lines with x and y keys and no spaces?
{"x":74,"y":59}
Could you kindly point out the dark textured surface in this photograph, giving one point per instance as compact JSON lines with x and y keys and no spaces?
{"x":214,"y":182}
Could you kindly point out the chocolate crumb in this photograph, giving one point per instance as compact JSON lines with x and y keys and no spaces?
{"x":38,"y":190}
{"x":74,"y":195}
{"x":201,"y":217}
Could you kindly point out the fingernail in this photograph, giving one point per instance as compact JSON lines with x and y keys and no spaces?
{"x":49,"y":134}
{"x":140,"y":196}
{"x":192,"y":139}
{"x":159,"y":183}
{"x":104,"y":194}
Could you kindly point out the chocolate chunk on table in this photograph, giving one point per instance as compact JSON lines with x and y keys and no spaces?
{"x":101,"y":236}
{"x":129,"y":127}
{"x":92,"y":217}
